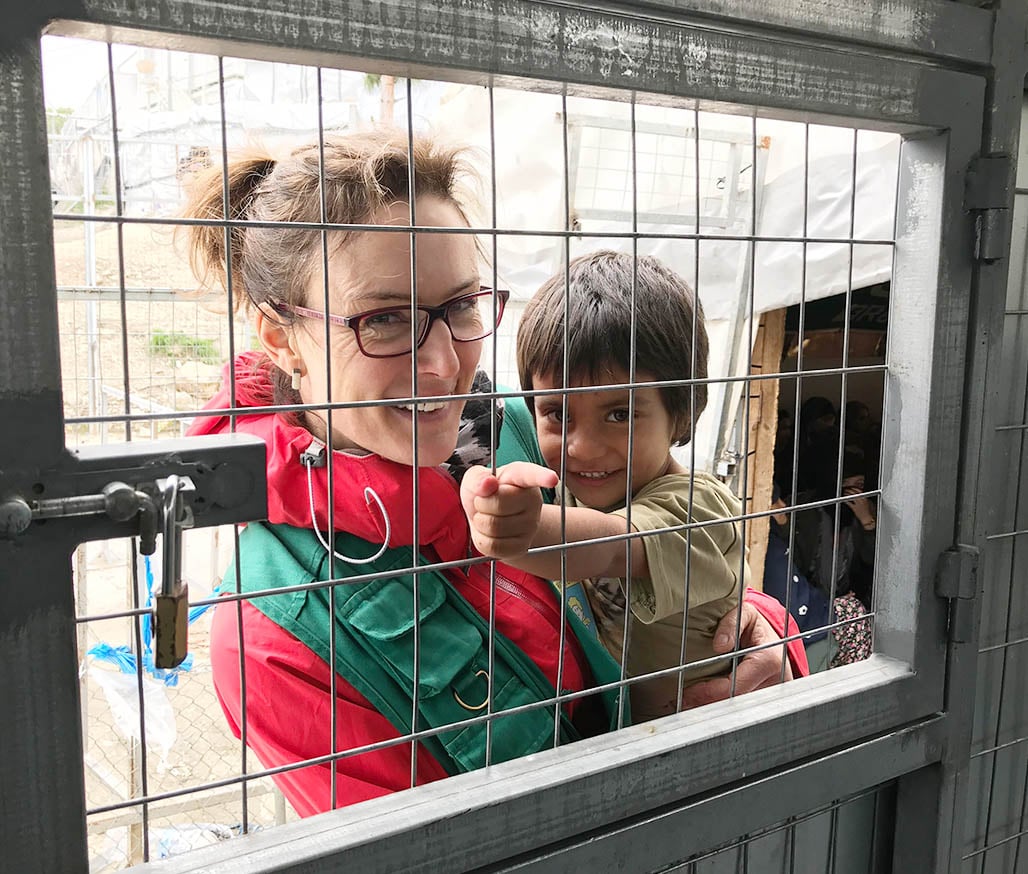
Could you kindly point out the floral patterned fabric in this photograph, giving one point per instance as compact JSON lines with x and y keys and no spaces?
{"x":853,"y":640}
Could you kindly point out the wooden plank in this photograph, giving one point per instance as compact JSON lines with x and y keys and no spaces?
{"x":767,"y":358}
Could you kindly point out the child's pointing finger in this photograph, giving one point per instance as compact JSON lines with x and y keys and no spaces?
{"x":526,"y":475}
{"x":479,"y":482}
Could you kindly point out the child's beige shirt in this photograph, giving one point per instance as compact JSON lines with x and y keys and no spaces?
{"x":698,"y":568}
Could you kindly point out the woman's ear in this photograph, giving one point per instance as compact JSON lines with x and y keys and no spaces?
{"x":683,"y":429}
{"x":277,"y":340}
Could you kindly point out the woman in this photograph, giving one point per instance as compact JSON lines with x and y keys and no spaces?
{"x":393,"y":472}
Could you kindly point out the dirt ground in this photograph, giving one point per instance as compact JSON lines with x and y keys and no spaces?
{"x":174,"y":341}
{"x":173,"y":338}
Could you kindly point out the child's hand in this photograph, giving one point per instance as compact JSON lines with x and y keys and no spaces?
{"x":503,"y":510}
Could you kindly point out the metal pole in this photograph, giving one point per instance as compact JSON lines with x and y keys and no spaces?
{"x":43,"y":826}
{"x":92,"y":320}
{"x":732,"y":395}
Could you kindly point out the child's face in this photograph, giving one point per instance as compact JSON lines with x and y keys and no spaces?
{"x":597,"y":438}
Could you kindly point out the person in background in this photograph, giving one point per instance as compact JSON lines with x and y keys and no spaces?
{"x":807,"y":603}
{"x":818,"y":443}
{"x":865,"y":433}
{"x":837,"y":555}
{"x":784,"y":447}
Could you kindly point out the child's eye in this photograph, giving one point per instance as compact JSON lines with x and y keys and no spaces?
{"x":619,"y":415}
{"x":556,"y":415}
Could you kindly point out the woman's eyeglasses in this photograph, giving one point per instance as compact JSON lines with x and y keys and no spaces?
{"x":386,"y":332}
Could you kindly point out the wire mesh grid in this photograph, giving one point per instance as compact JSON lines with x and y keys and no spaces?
{"x":176,"y":740}
{"x":142,"y":350}
{"x":821,"y":840}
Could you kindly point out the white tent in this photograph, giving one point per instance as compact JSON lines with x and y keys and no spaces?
{"x":828,"y":185}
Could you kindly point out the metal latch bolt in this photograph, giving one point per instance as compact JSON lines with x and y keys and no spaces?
{"x":118,"y":501}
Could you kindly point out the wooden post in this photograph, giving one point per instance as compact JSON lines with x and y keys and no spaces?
{"x":763,"y":398}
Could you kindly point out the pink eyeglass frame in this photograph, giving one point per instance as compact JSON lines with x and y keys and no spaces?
{"x":353,"y":322}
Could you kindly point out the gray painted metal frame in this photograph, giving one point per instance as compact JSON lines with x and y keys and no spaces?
{"x":548,"y":800}
{"x":989,"y":787}
{"x":809,"y":67}
{"x":487,"y":42}
{"x":42,"y":776}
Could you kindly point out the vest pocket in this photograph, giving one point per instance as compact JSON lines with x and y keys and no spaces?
{"x":383,"y":614}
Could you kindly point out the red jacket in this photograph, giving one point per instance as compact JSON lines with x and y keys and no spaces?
{"x":288,"y":703}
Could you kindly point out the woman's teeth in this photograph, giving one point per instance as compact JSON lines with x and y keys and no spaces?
{"x":594,"y":474}
{"x":422,"y":408}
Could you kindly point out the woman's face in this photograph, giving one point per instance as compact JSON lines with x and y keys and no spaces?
{"x":373,"y":270}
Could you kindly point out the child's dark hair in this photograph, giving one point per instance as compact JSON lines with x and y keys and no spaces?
{"x":668,"y":318}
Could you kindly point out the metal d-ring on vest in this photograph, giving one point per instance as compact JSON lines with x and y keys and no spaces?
{"x":314,"y":456}
{"x":474,"y":707}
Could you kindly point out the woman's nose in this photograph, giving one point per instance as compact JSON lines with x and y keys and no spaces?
{"x":437,"y":353}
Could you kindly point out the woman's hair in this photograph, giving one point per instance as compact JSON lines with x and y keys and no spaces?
{"x":600,"y":294}
{"x":363,"y":172}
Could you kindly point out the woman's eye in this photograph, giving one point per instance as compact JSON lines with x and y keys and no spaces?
{"x":388,"y":319}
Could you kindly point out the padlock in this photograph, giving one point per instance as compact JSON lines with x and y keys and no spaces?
{"x":171,"y":603}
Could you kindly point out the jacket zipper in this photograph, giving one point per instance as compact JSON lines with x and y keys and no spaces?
{"x":551,"y":614}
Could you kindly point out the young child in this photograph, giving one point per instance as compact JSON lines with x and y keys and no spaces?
{"x":693,"y":572}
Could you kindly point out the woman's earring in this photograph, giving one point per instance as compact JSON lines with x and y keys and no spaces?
{"x":296,"y":379}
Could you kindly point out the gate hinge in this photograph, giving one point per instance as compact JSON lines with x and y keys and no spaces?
{"x":987,"y":193}
{"x":956,"y":579}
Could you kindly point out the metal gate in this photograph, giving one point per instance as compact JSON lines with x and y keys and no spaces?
{"x":996,"y":771}
{"x":863,"y":768}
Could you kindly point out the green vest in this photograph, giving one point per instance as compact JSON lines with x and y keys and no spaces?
{"x":374,"y":645}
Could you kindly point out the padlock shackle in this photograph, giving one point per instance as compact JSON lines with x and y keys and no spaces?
{"x":171,"y":531}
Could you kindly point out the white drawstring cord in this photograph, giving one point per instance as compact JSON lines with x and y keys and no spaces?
{"x":308,"y":460}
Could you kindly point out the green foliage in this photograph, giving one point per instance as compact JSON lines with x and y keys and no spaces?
{"x":57,"y":118}
{"x":176,"y":344}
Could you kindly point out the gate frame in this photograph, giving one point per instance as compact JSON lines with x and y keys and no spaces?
{"x":878,"y":717}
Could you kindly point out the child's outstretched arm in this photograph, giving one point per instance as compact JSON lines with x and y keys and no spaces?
{"x":508,"y":517}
